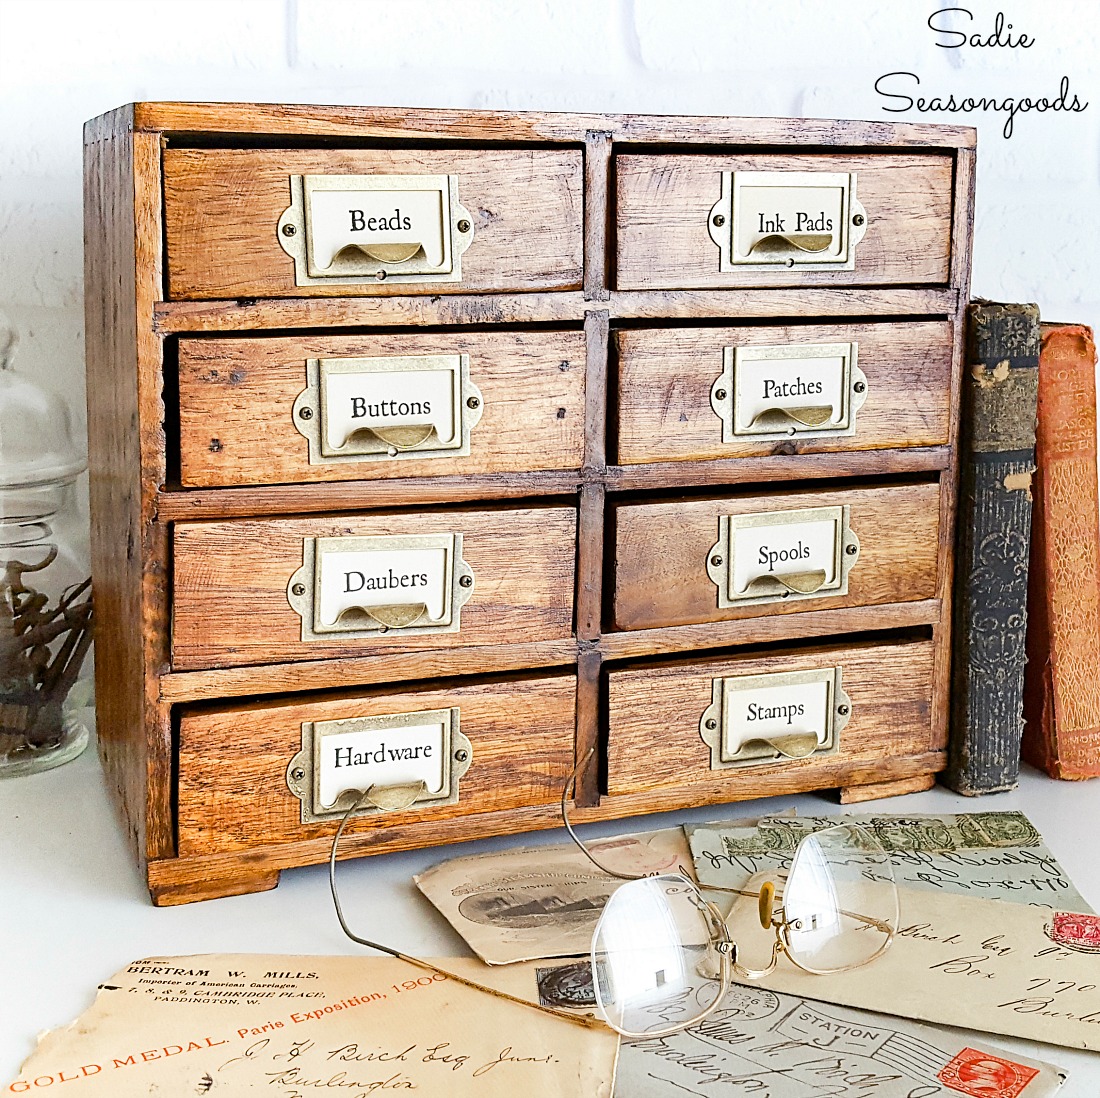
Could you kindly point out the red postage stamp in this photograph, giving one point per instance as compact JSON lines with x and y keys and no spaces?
{"x":1079,"y":932}
{"x":983,"y":1075}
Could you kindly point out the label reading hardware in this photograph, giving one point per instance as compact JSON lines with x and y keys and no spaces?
{"x":370,"y":409}
{"x":363,"y":228}
{"x":391,"y":762}
{"x":790,"y":219}
{"x":364,"y":586}
{"x":763,"y":718}
{"x":776,"y":555}
{"x":774,"y":392}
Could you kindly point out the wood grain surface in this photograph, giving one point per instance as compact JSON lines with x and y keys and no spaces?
{"x":222,"y":207}
{"x":230,"y":581}
{"x":660,"y":553}
{"x":410,"y":123}
{"x":663,"y":203}
{"x":654,"y":712}
{"x":665,"y":378}
{"x":232,"y":773}
{"x":236,"y":398}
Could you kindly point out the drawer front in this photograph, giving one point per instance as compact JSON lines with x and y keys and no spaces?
{"x":233,"y":762}
{"x":663,"y":550}
{"x":522,"y":408}
{"x":222,"y":211}
{"x":234,"y":581}
{"x":678,"y":388}
{"x":655,"y":740}
{"x":666,"y":203}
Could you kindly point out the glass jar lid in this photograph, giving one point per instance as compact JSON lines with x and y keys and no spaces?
{"x":37,"y":447}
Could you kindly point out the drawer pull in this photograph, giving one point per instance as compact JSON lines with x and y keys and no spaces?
{"x":361,"y":587}
{"x":775,"y":555}
{"x":781,"y":715}
{"x":793,"y":219}
{"x":364,"y":228}
{"x":378,"y":409}
{"x":773,"y":392}
{"x":388,"y":763}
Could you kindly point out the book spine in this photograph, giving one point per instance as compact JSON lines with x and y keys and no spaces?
{"x":997,"y":459}
{"x":1062,"y":701}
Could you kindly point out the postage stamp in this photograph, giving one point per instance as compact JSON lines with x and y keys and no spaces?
{"x":1079,"y":932}
{"x":983,"y":1075}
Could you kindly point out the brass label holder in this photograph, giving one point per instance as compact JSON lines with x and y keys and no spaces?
{"x":352,"y":588}
{"x":373,"y":229}
{"x":777,"y":392}
{"x":754,"y":719}
{"x":773,"y":556}
{"x":392,"y":762}
{"x":382,"y":409}
{"x":787,"y":219}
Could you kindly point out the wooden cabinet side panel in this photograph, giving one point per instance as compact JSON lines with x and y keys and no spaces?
{"x":661,"y":552}
{"x":222,"y":207}
{"x":655,"y":711}
{"x":233,"y":792}
{"x":126,"y":455}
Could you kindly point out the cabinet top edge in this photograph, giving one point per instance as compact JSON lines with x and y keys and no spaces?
{"x":414,"y":123}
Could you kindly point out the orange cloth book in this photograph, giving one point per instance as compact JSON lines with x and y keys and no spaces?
{"x":1062,"y":684}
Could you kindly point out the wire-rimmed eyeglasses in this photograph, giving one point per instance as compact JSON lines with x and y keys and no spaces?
{"x":661,"y":941}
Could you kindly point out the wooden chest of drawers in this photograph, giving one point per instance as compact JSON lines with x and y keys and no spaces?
{"x":484,"y":439}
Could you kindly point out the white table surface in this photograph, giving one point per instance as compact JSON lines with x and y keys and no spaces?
{"x":73,"y":909}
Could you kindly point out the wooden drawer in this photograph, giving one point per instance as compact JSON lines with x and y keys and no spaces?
{"x":664,"y":205}
{"x":661,"y":553}
{"x":655,"y":710}
{"x":666,"y":379}
{"x":237,"y":397}
{"x":232,"y":786}
{"x":231,"y":578}
{"x":222,"y":209}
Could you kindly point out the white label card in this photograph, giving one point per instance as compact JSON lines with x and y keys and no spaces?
{"x":355,"y":579}
{"x":809,"y":213}
{"x":766,"y":712}
{"x":366,"y":398}
{"x":767,"y":384}
{"x":782,"y":549}
{"x":344,"y":219}
{"x":401,"y":755}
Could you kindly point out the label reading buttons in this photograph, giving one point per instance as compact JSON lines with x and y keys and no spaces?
{"x":363,"y":228}
{"x":777,"y":555}
{"x":357,"y":587}
{"x":789,"y":219}
{"x":379,"y":409}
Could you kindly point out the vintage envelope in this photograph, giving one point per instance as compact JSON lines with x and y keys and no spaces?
{"x":519,"y":905}
{"x":995,"y":855}
{"x":290,"y":1026}
{"x":782,"y":1046}
{"x":983,"y":965}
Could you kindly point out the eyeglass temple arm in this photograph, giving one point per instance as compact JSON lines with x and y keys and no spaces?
{"x":570,"y":784}
{"x":587,"y":1020}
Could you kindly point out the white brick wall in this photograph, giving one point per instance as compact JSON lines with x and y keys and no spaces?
{"x":63,"y":61}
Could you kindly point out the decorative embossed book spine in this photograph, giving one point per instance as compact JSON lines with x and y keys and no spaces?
{"x":1062,"y":695}
{"x":997,"y":460}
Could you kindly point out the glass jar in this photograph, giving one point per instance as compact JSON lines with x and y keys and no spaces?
{"x":45,"y":589}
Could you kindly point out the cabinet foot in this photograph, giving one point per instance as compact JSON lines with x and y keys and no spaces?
{"x":853,"y":794}
{"x":169,"y":893}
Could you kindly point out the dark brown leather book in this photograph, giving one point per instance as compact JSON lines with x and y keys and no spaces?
{"x":1062,"y":695}
{"x":996,"y":459}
